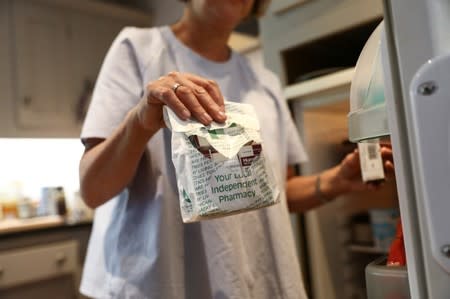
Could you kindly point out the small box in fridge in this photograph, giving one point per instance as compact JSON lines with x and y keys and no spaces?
{"x":386,"y":282}
{"x":383,"y":223}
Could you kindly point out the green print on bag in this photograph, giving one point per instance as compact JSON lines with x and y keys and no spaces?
{"x":221,"y":169}
{"x":186,"y":197}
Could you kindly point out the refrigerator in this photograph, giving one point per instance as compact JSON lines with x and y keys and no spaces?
{"x":417,"y":90}
{"x":416,"y":70}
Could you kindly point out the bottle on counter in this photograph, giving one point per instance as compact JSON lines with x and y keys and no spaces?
{"x":60,"y":201}
{"x":1,"y":205}
{"x":46,"y":205}
{"x":9,"y":199}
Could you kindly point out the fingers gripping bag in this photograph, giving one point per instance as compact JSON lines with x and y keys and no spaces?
{"x":221,"y":168}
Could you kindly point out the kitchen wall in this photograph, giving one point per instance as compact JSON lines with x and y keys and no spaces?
{"x":35,"y":163}
{"x":169,"y":11}
{"x":164,"y":12}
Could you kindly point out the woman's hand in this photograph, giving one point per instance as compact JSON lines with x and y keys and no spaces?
{"x":186,"y":94}
{"x":388,"y":159}
{"x":348,"y":172}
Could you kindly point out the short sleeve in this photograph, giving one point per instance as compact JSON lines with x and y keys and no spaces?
{"x":118,"y":88}
{"x":296,"y":152}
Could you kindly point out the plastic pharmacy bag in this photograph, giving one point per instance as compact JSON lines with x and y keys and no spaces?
{"x":221,"y":168}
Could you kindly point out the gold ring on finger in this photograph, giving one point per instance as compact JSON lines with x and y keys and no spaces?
{"x":175,"y":87}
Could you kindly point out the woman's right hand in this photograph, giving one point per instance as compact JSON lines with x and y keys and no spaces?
{"x":186,"y":94}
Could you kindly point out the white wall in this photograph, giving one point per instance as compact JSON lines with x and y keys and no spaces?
{"x":36,"y":163}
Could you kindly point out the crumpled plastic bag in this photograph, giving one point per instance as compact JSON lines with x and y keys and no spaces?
{"x":221,"y":169}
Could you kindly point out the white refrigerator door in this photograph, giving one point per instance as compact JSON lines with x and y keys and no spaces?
{"x":417,"y":89}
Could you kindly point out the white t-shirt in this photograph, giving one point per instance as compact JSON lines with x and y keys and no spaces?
{"x":139,"y":247}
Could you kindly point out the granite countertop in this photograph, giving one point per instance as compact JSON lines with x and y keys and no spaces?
{"x":15,"y":225}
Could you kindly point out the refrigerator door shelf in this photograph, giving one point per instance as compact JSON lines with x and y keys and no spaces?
{"x":386,"y":281}
{"x":429,"y":91}
{"x":368,"y":118}
{"x":368,"y":123}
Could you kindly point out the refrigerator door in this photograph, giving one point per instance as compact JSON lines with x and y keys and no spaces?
{"x":417,"y":31}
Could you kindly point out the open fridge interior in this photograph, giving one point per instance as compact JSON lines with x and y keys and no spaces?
{"x":343,"y":236}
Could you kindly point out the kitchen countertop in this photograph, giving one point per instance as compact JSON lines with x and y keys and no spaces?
{"x":14,"y":225}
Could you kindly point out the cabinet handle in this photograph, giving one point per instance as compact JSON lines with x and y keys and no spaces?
{"x":27,"y":101}
{"x":84,"y":100}
{"x":60,"y":259}
{"x":1,"y":271}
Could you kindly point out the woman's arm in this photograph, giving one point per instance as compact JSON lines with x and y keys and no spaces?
{"x":307,"y":192}
{"x":304,"y":193}
{"x":108,"y":165}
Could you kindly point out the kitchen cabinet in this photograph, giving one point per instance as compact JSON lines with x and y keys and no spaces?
{"x":43,"y":76}
{"x":6,"y":84}
{"x":55,"y":51}
{"x":91,"y":37}
{"x":37,"y":271}
{"x":43,"y":263}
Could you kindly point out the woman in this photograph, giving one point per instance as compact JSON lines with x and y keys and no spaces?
{"x":139,"y":247}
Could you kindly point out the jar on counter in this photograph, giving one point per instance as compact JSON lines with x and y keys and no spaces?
{"x":9,"y":198}
{"x":24,"y":208}
{"x":60,"y":201}
{"x":53,"y":202}
{"x":46,"y":205}
{"x":1,"y":208}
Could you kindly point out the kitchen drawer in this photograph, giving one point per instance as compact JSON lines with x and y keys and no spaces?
{"x":22,"y":266}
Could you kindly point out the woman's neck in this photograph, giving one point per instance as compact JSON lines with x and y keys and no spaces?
{"x":208,"y":41}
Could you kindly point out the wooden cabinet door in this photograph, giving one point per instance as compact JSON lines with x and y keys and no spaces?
{"x":47,"y":271}
{"x":43,"y":71}
{"x":55,"y":51}
{"x":92,"y":36}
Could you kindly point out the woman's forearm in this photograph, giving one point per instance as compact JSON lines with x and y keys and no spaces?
{"x":300,"y":193}
{"x":108,"y":167}
{"x":305,"y":192}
